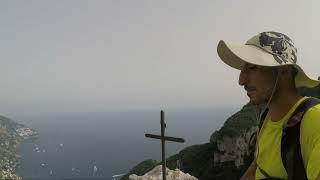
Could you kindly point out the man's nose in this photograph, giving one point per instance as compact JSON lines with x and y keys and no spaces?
{"x":242,"y":78}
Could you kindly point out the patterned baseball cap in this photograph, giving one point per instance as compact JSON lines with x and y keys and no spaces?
{"x":265,"y":49}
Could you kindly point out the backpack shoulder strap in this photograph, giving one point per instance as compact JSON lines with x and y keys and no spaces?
{"x":298,"y":114}
{"x":290,"y":142}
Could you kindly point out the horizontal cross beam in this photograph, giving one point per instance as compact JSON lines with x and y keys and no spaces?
{"x":167,"y":138}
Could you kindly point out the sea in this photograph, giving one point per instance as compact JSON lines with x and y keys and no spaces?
{"x":99,"y":145}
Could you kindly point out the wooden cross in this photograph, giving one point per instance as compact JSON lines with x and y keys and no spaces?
{"x":164,"y":138}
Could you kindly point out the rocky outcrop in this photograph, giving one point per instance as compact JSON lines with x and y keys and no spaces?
{"x":234,"y":140}
{"x":156,"y":174}
{"x":233,"y":149}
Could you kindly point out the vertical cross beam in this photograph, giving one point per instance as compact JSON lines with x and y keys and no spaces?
{"x":163,"y":126}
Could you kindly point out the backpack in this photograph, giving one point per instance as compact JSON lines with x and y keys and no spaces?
{"x":290,"y":142}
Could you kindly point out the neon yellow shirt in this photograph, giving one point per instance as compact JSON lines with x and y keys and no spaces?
{"x":269,"y":144}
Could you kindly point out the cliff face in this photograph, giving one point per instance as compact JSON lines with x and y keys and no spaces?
{"x":233,"y":139}
{"x":233,"y":149}
{"x":11,"y":134}
{"x":230,"y":150}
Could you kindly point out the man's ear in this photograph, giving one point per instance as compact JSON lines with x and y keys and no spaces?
{"x":286,"y":73}
{"x":284,"y":70}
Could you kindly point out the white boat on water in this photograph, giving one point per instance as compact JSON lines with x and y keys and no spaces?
{"x":117,"y":176}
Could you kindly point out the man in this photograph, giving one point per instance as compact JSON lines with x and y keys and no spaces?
{"x":269,"y":74}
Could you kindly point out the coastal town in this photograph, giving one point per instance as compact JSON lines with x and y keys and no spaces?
{"x":25,"y":132}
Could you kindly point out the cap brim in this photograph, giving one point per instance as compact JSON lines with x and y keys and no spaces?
{"x":237,"y":55}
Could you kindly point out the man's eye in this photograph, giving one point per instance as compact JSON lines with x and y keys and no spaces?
{"x":252,"y":67}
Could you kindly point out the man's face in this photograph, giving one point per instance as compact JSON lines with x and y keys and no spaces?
{"x":258,"y":81}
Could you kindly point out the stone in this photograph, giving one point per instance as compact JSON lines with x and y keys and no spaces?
{"x":156,"y":174}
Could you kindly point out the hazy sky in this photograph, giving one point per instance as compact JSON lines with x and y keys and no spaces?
{"x":135,"y":54}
